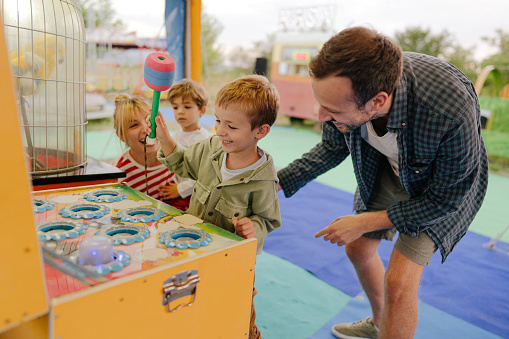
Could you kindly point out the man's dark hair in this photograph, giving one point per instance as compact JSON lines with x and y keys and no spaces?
{"x":369,"y":59}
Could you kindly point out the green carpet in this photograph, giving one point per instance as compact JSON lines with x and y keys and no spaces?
{"x":104,"y":145}
{"x":287,"y":294}
{"x":286,"y":144}
{"x":494,"y":214}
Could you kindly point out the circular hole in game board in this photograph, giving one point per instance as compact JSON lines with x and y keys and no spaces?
{"x":84,"y":208}
{"x":185,"y":236}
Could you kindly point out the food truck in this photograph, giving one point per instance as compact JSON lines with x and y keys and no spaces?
{"x":302,"y":33}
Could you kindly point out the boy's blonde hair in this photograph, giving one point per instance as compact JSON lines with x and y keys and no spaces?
{"x":255,"y":95}
{"x":189,"y":88}
{"x":125,"y":110}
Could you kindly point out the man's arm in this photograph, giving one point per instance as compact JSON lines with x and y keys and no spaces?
{"x":327,"y":154}
{"x":346,"y":229}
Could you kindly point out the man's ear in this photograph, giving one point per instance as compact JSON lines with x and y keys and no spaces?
{"x":379,"y":100}
{"x":263,"y":130}
{"x":202,"y":110}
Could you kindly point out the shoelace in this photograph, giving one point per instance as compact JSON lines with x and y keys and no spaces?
{"x":361,"y":323}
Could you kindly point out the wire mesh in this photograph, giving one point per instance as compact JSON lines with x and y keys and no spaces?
{"x":46,"y":43}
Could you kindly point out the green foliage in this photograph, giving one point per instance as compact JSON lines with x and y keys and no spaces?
{"x":463,"y":59}
{"x":101,"y":12}
{"x":421,"y":40}
{"x":500,"y":60}
{"x":241,"y":59}
{"x":211,"y":53}
{"x":264,"y":49}
{"x":442,"y":45}
{"x":501,"y":42}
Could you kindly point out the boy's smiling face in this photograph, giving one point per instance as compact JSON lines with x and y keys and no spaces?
{"x":187,"y":113}
{"x":238,"y":138}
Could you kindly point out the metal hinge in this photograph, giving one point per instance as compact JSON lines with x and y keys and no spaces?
{"x":178,"y":286}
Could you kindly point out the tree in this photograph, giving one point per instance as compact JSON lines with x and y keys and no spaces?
{"x":244,"y":59}
{"x":442,"y":45}
{"x":101,"y":12}
{"x":264,"y":49}
{"x":210,"y":30}
{"x":421,"y":40}
{"x":501,"y":42}
{"x":241,"y":60}
{"x":500,"y":59}
{"x":463,"y":59}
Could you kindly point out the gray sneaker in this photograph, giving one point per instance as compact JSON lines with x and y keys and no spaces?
{"x":362,"y":329}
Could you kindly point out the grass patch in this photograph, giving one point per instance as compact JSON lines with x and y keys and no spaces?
{"x":497,"y":143}
{"x":499,"y":107}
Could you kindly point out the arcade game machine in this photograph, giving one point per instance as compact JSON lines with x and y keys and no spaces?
{"x":95,"y":258}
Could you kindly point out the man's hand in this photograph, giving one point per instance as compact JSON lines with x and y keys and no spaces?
{"x":346,"y":229}
{"x":244,"y":227}
{"x":169,"y":191}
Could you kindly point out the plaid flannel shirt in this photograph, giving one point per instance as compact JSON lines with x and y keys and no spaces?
{"x":443,"y":164}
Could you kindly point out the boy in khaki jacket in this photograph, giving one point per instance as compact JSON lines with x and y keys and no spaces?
{"x":236,"y":181}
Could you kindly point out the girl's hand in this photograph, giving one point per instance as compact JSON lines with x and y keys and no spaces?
{"x":169,"y":191}
{"x":244,"y":227}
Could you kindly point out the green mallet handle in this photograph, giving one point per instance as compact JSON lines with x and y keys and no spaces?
{"x":155,"y":109}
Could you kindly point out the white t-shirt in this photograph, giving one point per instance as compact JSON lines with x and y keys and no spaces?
{"x":227,"y":174}
{"x":386,"y":144}
{"x":185,"y":185}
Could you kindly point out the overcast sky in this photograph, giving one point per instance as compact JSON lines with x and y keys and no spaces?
{"x":246,"y":21}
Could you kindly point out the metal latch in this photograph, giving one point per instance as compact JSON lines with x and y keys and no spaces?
{"x":180,"y":285}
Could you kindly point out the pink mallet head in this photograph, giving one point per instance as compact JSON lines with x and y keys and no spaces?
{"x":159,"y":71}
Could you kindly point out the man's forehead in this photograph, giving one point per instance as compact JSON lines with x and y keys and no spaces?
{"x":337,"y":89}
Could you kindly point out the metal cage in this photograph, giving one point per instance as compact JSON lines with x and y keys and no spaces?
{"x":47,"y":46}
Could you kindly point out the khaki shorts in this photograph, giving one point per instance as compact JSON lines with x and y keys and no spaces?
{"x":388,"y":191}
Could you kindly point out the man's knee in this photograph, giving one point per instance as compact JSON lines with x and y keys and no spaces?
{"x":362,"y":250}
{"x":402,"y":278}
{"x":394,"y":287}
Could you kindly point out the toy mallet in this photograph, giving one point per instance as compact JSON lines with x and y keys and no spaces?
{"x":159,"y":72}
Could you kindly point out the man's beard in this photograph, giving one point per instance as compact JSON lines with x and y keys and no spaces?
{"x":344,"y":128}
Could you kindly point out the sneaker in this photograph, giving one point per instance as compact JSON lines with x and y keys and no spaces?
{"x":362,"y":329}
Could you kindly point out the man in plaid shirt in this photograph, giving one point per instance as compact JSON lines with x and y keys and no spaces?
{"x":411,"y":124}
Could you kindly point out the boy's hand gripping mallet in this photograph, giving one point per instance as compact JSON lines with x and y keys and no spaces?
{"x":158,"y":72}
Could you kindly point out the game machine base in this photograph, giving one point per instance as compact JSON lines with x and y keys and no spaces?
{"x":136,"y":267}
{"x":106,"y":261}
